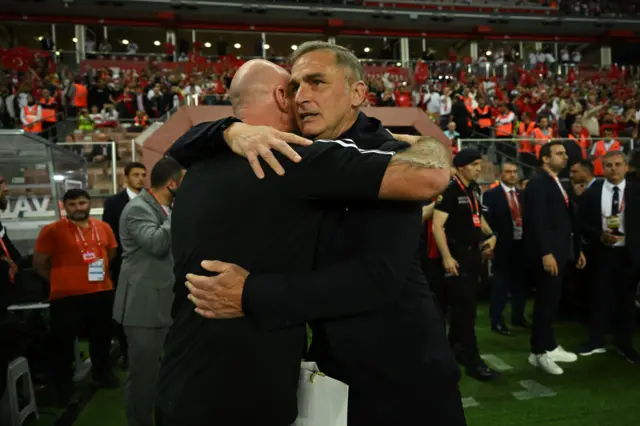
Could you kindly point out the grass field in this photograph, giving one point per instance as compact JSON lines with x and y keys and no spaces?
{"x":601,"y":390}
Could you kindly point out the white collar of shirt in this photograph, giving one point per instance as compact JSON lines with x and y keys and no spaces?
{"x":591,"y":183}
{"x":605,"y":206}
{"x":2,"y":231}
{"x":167,"y":210}
{"x":609,"y":186}
{"x":131,"y":194}
{"x":506,"y":188}
{"x":564,"y":193}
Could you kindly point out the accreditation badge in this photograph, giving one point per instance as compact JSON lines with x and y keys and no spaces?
{"x":613,"y":222}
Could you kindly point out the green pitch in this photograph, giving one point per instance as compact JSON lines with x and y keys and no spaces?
{"x":601,"y":390}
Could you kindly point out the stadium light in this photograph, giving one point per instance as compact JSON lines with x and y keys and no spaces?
{"x":125,"y":41}
{"x":207,"y":44}
{"x":367,"y":50}
{"x":294,"y":47}
{"x":75,"y":40}
{"x":156,"y":43}
{"x":40,"y":38}
{"x":488,"y":53}
{"x":237,"y":45}
{"x":398,"y":64}
{"x":266,"y":46}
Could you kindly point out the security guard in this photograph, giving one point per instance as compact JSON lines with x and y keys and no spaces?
{"x":463,"y":238}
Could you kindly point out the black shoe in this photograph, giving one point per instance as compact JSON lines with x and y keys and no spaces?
{"x":501,"y":329}
{"x":522,"y":324}
{"x":630,"y":355}
{"x":480,"y":371}
{"x":106,"y":381}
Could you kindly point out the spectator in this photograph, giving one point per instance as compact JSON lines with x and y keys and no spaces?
{"x":74,"y":254}
{"x":31,"y":116}
{"x":85,"y":123}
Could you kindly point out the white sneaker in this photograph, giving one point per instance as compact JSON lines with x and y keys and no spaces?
{"x":545,"y":363}
{"x":560,"y":355}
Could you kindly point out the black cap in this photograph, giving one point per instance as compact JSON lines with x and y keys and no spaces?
{"x":466,"y":156}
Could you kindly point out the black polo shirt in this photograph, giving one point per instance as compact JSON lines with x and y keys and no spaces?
{"x":237,"y":372}
{"x":460,"y":205}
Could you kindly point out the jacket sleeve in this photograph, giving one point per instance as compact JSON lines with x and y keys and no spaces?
{"x":590,"y":230}
{"x":371,"y":280}
{"x":108,"y":213}
{"x":202,"y":141}
{"x":489,"y":201}
{"x":537,"y":209}
{"x":152,"y":237}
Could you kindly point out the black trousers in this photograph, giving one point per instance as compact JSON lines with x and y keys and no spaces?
{"x":545,"y":308}
{"x":434,"y":405}
{"x":117,"y":327}
{"x":460,"y":297}
{"x":613,"y":298}
{"x":67,"y":316}
{"x":164,"y":420}
{"x":508,"y":279}
{"x":434,"y":272}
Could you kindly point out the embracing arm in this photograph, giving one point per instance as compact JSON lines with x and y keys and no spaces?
{"x":368,"y":281}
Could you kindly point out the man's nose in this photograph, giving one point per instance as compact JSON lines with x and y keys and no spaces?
{"x":302,"y":94}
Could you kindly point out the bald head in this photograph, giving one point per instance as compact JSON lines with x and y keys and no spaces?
{"x":254,"y":85}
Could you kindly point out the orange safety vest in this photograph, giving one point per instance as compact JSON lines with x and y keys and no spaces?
{"x":80,"y":99}
{"x":599,"y":152}
{"x":48,"y":114}
{"x":141,"y":123}
{"x":504,"y":129}
{"x":583,"y":143}
{"x":541,"y":137}
{"x":31,"y":115}
{"x":484,"y":117}
{"x":525,"y":145}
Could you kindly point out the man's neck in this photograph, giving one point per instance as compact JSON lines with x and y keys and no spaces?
{"x":615,"y":182}
{"x":80,"y":223}
{"x":135,"y":191}
{"x":161,"y":195}
{"x":548,"y":169}
{"x":349,"y":121}
{"x":466,"y":182}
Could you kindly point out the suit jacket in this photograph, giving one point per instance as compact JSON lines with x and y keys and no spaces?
{"x":550,"y":224}
{"x":498,"y":216}
{"x":590,"y":215}
{"x":145,"y":292}
{"x":113,"y":207}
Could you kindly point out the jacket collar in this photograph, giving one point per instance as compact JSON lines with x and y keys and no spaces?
{"x":369,"y":133}
{"x":148,"y":198}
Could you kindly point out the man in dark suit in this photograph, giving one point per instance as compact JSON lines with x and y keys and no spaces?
{"x":504,"y":215}
{"x":135,"y":174}
{"x":552,"y":244}
{"x":607,"y":221}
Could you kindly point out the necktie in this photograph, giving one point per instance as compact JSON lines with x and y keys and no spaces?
{"x":615,"y":201}
{"x":515,"y":207}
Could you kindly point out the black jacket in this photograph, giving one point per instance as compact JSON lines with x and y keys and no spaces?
{"x":498,"y":216}
{"x":113,"y":207}
{"x":550,"y":223}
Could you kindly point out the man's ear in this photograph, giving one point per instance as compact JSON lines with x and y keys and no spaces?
{"x":358,"y":93}
{"x":282,"y":100}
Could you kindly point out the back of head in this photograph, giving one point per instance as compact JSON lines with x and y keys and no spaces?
{"x":253,"y":88}
{"x":165,"y":170}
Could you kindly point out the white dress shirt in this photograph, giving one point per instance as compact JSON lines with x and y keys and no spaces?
{"x":131,"y":194}
{"x":607,"y":197}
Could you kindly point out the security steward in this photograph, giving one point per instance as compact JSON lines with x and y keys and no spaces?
{"x":49,"y":111}
{"x":463,"y":237}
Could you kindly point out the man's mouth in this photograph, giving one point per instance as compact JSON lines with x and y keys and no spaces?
{"x":305,"y":116}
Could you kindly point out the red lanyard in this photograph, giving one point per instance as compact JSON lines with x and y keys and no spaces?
{"x":95,"y":236}
{"x":477,"y":209}
{"x":5,"y":249}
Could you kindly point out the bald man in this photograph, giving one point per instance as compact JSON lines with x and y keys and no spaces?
{"x":244,"y":371}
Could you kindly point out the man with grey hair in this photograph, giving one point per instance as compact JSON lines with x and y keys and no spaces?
{"x":367,"y":287}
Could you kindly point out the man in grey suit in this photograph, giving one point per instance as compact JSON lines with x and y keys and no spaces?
{"x":145,"y":291}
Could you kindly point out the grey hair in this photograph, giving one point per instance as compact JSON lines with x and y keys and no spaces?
{"x":344,"y":57}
